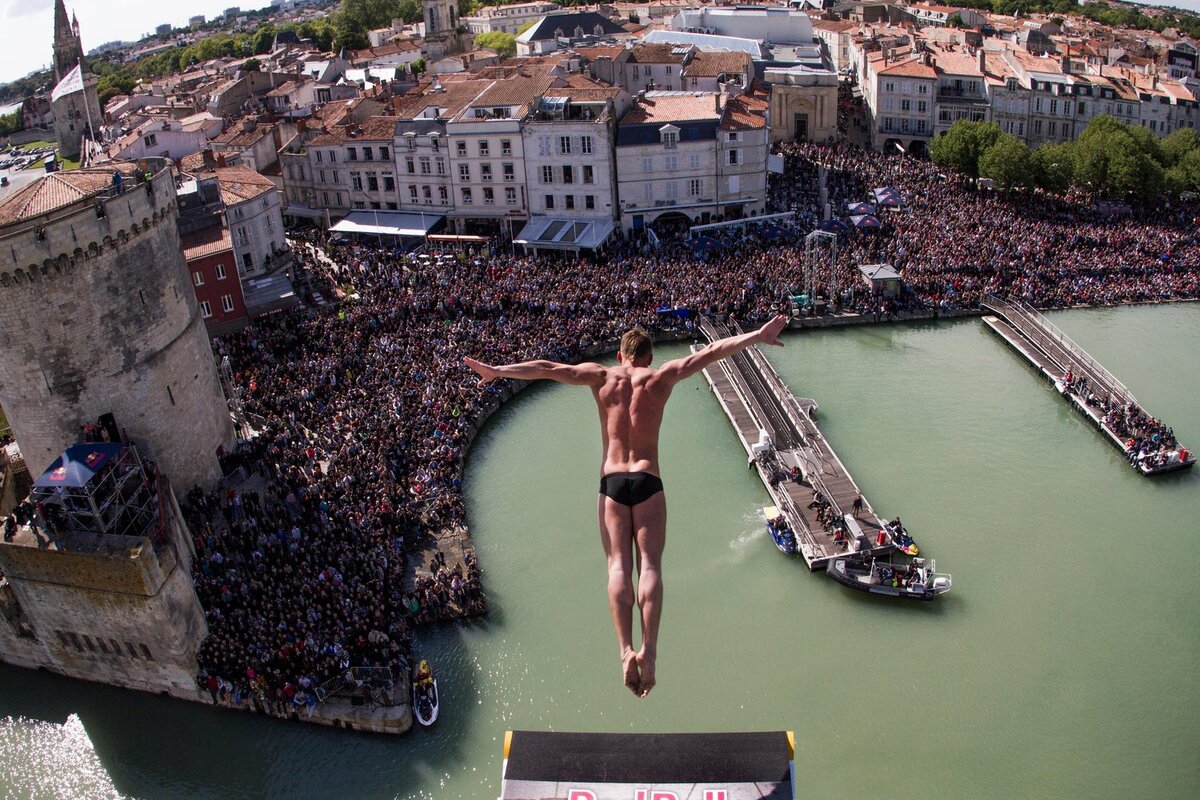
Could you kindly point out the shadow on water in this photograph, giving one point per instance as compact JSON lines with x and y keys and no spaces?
{"x":197,"y":751}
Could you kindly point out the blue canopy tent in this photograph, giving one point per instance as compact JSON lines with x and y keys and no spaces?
{"x":860,"y":208}
{"x":78,"y":464}
{"x":834,"y":226}
{"x":705,"y":245}
{"x":887,"y":196}
{"x":868,"y":221}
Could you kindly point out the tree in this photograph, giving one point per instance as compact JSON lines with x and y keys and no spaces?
{"x":1052,"y":167}
{"x":1007,"y":162}
{"x":1185,"y":175}
{"x":1178,"y":145}
{"x":503,"y":43}
{"x":11,"y":123}
{"x":962,"y":145}
{"x":526,"y":26}
{"x":251,"y":65}
{"x":1119,"y":160}
{"x":355,"y":17}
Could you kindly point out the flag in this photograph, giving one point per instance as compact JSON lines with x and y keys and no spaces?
{"x":68,"y":85}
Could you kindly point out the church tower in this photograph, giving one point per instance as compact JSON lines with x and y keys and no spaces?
{"x":441,"y":26}
{"x":74,"y":112}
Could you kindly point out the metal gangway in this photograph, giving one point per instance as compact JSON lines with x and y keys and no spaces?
{"x":1103,"y":399}
{"x":1061,"y":349}
{"x":756,"y":400}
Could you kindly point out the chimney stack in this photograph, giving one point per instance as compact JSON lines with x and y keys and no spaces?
{"x":982,"y":61}
{"x":717,"y":102}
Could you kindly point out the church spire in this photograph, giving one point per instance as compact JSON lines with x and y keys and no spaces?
{"x":62,"y":25}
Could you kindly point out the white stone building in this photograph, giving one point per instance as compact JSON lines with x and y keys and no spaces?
{"x":570,"y":170}
{"x":254,"y":216}
{"x":506,"y":19}
{"x":686,"y":158}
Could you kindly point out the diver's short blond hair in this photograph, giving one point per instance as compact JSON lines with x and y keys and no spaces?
{"x":637,"y":347}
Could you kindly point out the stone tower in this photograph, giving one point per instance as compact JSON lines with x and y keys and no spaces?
{"x":105,"y":602}
{"x":98,"y":316}
{"x":441,"y":25}
{"x":75,"y":112}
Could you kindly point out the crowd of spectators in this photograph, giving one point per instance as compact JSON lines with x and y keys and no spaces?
{"x":363,"y":410}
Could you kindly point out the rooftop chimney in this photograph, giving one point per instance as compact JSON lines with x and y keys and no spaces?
{"x":982,"y":62}
{"x":717,"y":101}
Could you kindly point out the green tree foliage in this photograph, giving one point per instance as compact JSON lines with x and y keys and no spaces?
{"x":1119,"y":160}
{"x":252,"y":65}
{"x":1007,"y":162}
{"x":11,"y":123}
{"x":1178,"y":145}
{"x":1052,"y":167}
{"x":526,"y":26}
{"x":355,"y":17}
{"x":503,"y":43}
{"x":962,"y":145}
{"x":1184,"y":176}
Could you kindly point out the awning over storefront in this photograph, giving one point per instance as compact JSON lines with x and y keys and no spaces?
{"x":387,"y":223}
{"x":304,"y":211}
{"x":566,"y":234}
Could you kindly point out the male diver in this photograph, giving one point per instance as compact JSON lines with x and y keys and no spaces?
{"x":631,"y":397}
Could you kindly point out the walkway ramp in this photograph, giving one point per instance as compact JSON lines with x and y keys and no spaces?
{"x":757,"y":402}
{"x":1092,"y":389}
{"x":648,"y":766}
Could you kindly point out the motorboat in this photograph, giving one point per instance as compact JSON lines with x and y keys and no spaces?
{"x":915,"y":581}
{"x":425,"y":695}
{"x":781,"y":533}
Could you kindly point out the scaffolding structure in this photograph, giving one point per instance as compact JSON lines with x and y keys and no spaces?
{"x":820,"y":253}
{"x":99,"y":489}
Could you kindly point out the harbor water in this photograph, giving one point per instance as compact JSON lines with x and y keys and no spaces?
{"x":1062,"y":663}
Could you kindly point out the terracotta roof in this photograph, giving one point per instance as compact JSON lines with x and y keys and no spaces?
{"x":205,"y":242}
{"x":744,"y":112}
{"x":655,"y":54}
{"x":241,"y":138}
{"x":600,"y":51}
{"x":712,"y":63}
{"x":239,"y":184}
{"x":454,"y":99}
{"x":584,"y":93}
{"x":909,"y":69}
{"x":59,"y":190}
{"x":664,"y":107}
{"x":373,"y":129}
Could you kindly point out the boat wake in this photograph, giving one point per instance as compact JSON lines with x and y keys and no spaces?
{"x":47,"y":761}
{"x":752,"y":532}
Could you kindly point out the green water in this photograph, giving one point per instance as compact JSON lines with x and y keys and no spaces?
{"x":1062,"y":664}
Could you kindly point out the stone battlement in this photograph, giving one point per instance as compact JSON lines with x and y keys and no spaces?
{"x":55,"y":243}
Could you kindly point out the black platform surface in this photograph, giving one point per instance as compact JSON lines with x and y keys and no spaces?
{"x":650,"y":758}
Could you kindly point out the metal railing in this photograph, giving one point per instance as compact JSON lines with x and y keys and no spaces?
{"x":369,"y":676}
{"x":1061,"y":349}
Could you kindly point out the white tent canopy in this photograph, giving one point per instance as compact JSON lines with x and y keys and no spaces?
{"x":387,"y":223}
{"x":566,"y":234}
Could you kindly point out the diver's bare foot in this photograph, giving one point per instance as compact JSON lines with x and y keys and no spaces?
{"x":633,"y":675}
{"x":645,"y":663}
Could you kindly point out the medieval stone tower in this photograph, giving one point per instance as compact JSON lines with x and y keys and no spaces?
{"x":441,"y":24}
{"x":98,"y":316}
{"x":78,"y":111}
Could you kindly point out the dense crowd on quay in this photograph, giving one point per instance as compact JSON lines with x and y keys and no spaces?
{"x":364,"y":410}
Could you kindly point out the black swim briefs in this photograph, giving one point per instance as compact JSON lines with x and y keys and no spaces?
{"x":630,"y":488}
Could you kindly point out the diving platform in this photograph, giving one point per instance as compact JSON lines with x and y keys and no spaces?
{"x":1095,"y":392}
{"x":778,"y":433}
{"x":648,"y":766}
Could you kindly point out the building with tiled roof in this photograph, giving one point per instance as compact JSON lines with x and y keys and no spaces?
{"x":506,"y":19}
{"x":686,"y":158}
{"x":708,"y":70}
{"x":544,"y":35}
{"x":254,"y":216}
{"x":60,"y":190}
{"x":250,"y":142}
